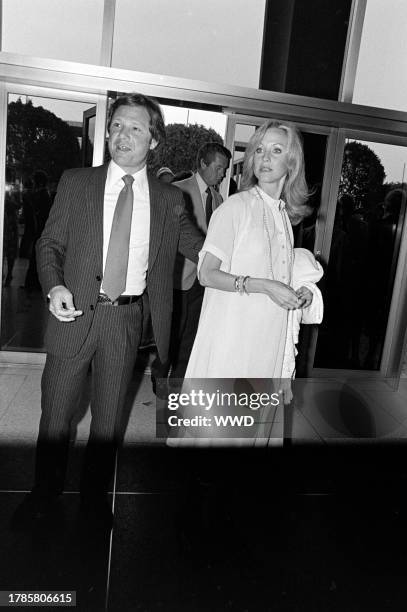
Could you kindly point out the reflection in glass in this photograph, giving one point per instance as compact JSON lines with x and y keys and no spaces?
{"x":358,"y":284}
{"x":88,"y":136}
{"x":44,"y":138}
{"x":243,"y":133}
{"x":314,"y":155}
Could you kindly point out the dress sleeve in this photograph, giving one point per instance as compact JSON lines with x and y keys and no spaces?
{"x":221,"y":234}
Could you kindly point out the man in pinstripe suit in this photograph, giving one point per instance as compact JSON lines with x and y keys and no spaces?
{"x":86,"y":328}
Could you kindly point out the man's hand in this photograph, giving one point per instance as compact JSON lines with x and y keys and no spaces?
{"x":305,"y":295}
{"x":61,"y":304}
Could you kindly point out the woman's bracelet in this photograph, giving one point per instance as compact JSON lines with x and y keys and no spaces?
{"x":240,"y":284}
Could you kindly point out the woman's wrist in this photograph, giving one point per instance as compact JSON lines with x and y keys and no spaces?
{"x":255,"y":285}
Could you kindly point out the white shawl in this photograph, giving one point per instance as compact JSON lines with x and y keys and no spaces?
{"x":306,"y":272}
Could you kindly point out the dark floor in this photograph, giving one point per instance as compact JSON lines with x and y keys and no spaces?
{"x":23,"y":314}
{"x":305,"y":528}
{"x":320,"y":526}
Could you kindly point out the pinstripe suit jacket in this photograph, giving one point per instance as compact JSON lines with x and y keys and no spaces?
{"x":70,"y":253}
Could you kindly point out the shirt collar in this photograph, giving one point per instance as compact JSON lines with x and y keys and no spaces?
{"x":262,"y":195}
{"x":201,"y":183}
{"x":115,"y":174}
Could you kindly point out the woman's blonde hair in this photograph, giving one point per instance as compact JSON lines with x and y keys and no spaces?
{"x":295,"y":190}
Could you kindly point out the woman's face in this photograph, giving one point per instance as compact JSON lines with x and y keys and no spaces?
{"x":270,"y":157}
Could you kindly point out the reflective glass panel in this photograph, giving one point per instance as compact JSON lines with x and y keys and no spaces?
{"x":359,"y":280}
{"x":382,"y":64}
{"x":304,"y":46}
{"x":57,"y":29}
{"x":44,"y":138}
{"x":213,"y":41}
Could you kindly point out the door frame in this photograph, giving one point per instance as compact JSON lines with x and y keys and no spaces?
{"x":395,"y":337}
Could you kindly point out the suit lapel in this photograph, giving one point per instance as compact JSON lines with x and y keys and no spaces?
{"x":158,"y":211}
{"x":196,"y":195}
{"x":95,"y":193}
{"x":216,"y":199}
{"x":199,"y":210}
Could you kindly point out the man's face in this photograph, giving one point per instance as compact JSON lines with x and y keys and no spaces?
{"x":214,"y":173}
{"x":130,"y":139}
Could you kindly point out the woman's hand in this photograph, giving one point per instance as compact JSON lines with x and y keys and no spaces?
{"x":305,"y":296}
{"x":282,"y":294}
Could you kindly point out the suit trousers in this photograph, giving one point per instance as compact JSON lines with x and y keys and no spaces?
{"x":109,"y":351}
{"x":187,"y":306}
{"x":187,"y":309}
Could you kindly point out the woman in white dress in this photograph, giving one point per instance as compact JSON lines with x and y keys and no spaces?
{"x":246,"y":263}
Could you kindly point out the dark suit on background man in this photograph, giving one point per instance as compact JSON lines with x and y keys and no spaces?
{"x":86,"y":327}
{"x":199,"y":190}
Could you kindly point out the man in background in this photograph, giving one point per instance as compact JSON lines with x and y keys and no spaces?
{"x":202,"y":198}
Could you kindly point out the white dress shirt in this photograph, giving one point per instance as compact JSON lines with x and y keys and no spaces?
{"x":140,"y":225}
{"x":202,"y":186}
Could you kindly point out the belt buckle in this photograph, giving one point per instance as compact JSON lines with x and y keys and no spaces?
{"x":122,"y":300}
{"x":104,"y":299}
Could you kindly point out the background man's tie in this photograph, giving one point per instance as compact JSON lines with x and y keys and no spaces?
{"x":208,"y":206}
{"x":114,"y":278}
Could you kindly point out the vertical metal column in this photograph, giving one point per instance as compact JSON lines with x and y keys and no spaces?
{"x":351,"y":55}
{"x":100,"y":130}
{"x":106,"y":48}
{"x":3,"y":140}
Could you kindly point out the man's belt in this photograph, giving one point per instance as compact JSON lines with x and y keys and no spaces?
{"x":122,"y":300}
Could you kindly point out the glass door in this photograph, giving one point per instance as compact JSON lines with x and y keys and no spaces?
{"x":362,"y":282}
{"x":45,"y":135}
{"x":319,"y":155}
{"x":240,"y":129}
{"x":88,"y":135}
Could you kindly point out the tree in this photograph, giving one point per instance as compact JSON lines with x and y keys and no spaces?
{"x":394,"y":185}
{"x":181,"y":146}
{"x":362,"y":173}
{"x":38,"y":139}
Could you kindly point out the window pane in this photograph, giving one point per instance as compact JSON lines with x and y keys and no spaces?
{"x":58,"y":29}
{"x":211,"y":41}
{"x":44,"y":137}
{"x":382,"y":65}
{"x":359,"y":280}
{"x":304,"y":46}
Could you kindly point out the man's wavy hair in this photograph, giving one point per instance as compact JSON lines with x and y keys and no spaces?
{"x":157,"y":126}
{"x":295,"y":191}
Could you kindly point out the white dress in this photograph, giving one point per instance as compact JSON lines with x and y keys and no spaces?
{"x":244,"y":336}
